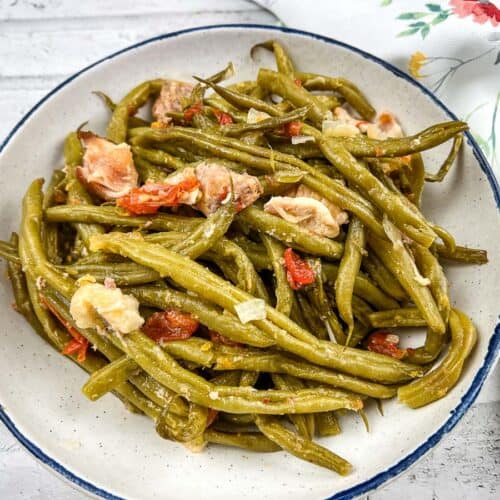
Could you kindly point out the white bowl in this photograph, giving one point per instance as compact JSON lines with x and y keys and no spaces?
{"x":112,"y":453}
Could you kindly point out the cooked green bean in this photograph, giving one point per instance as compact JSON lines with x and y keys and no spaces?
{"x":350,"y":263}
{"x":284,"y":294}
{"x":283,"y":61}
{"x":159,"y":157}
{"x":291,"y":234}
{"x":348,"y":90}
{"x":9,"y":253}
{"x":394,"y":318}
{"x":400,"y":263}
{"x":118,"y":217}
{"x":136,"y":98}
{"x":432,"y":270}
{"x":303,"y":423}
{"x":383,"y":277}
{"x":462,"y":254}
{"x":428,"y":138}
{"x":252,"y":441}
{"x":450,"y":159}
{"x":437,"y":383}
{"x":300,"y":447}
{"x":327,"y":424}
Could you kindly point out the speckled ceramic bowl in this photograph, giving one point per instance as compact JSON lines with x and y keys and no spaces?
{"x":112,"y":453}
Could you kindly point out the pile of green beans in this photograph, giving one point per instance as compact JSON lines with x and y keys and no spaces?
{"x":277,"y":382}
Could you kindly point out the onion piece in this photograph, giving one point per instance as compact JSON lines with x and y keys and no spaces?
{"x":251,"y":310}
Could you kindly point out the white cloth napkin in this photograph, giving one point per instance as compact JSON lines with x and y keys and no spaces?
{"x":451,"y":47}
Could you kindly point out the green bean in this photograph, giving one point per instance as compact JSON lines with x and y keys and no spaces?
{"x":313,"y":322}
{"x":254,"y":251}
{"x":305,"y":151}
{"x":400,"y":263}
{"x":462,"y":254}
{"x":284,"y":86}
{"x":287,"y":334}
{"x":359,"y":332}
{"x":437,"y":383}
{"x":159,"y":157}
{"x":137,"y":97}
{"x":9,"y":253}
{"x":290,"y":233}
{"x":221,"y":104}
{"x":207,"y":234}
{"x":427,"y":353}
{"x":283,"y":61}
{"x":348,"y":90}
{"x":208,"y":315}
{"x":300,"y":447}
{"x":327,"y":424}
{"x":394,"y":318}
{"x":280,"y":182}
{"x":427,"y":139}
{"x":392,"y":204}
{"x":198,"y":93}
{"x":31,"y":249}
{"x":279,"y":363}
{"x":383,"y":277}
{"x":149,"y":172}
{"x":432,"y":270}
{"x":77,"y":194}
{"x":122,"y":273}
{"x":415,"y":174}
{"x":189,"y":430}
{"x":361,"y":311}
{"x":133,"y":121}
{"x":118,"y":217}
{"x":20,"y":291}
{"x":448,"y":163}
{"x":252,"y":441}
{"x":249,"y":379}
{"x":363,"y":287}
{"x":303,"y":423}
{"x":272,"y":123}
{"x":350,"y":263}
{"x":321,"y":302}
{"x":284,"y":294}
{"x":108,"y":378}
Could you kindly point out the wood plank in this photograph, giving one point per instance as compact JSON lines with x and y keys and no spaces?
{"x":53,"y":49}
{"x":57,"y":9}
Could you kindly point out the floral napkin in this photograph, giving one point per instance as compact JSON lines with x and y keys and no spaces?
{"x":452,"y":47}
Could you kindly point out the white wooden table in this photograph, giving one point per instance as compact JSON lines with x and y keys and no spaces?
{"x":44,"y":41}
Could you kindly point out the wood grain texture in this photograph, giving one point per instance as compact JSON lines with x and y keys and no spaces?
{"x":44,"y":41}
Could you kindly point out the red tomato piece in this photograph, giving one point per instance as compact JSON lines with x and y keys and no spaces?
{"x":149,"y":198}
{"x":195,"y":109}
{"x":222,"y":118}
{"x":292,"y":129}
{"x":170,"y":325}
{"x":298,"y":272}
{"x":77,"y":346}
{"x":218,"y":338}
{"x":298,"y":82}
{"x":385,"y":343}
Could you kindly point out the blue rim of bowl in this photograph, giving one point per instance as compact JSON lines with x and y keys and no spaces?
{"x":493,"y":346}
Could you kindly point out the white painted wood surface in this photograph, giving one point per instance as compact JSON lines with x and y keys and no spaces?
{"x":44,"y":41}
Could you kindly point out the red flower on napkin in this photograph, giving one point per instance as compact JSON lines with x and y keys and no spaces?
{"x":481,"y":11}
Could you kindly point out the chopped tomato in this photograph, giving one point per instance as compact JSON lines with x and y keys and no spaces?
{"x":148,"y":198}
{"x":290,"y":129}
{"x":379,"y":151}
{"x":212,"y":415}
{"x":170,"y":325}
{"x":298,"y":82}
{"x":298,"y":272}
{"x":78,"y":343}
{"x":222,"y":118}
{"x":77,"y":346}
{"x":385,"y":343}
{"x":218,"y":338}
{"x":195,"y":109}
